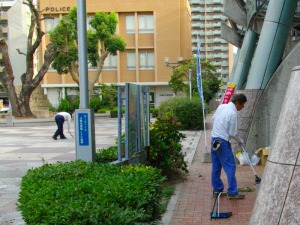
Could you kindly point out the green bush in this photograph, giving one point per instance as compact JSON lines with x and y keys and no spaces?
{"x":165,"y":147}
{"x":154,"y":111}
{"x":90,"y":193}
{"x":51,"y":108}
{"x":107,"y":155}
{"x":109,"y":95}
{"x":95,"y":103}
{"x":64,"y":105}
{"x":75,"y":103}
{"x":102,"y":110}
{"x":114,"y":113}
{"x":187,"y":111}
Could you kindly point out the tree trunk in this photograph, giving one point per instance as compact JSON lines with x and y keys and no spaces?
{"x":24,"y":98}
{"x":94,"y":79}
{"x":7,"y":79}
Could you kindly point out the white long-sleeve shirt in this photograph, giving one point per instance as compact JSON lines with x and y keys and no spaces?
{"x":67,"y":117}
{"x":225,"y":121}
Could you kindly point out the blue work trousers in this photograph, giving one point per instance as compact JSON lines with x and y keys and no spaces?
{"x":223,"y":158}
{"x":59,"y":119}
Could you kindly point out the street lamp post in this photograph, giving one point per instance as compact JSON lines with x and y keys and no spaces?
{"x":173,"y":65}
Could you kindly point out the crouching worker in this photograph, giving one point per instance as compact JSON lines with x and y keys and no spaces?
{"x":224,"y":128}
{"x":60,"y":118}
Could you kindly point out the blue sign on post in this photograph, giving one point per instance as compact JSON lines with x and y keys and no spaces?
{"x":83,"y":131}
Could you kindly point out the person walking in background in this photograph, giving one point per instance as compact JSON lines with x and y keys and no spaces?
{"x":60,"y":118}
{"x":224,"y":128}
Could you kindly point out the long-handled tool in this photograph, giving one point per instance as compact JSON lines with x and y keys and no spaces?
{"x":71,"y":134}
{"x":257,"y":178}
{"x":217,"y":214}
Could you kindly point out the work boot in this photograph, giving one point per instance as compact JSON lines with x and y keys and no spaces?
{"x":235,"y":196}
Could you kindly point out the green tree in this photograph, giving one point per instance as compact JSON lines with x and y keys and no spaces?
{"x":210,"y":83}
{"x":101,"y":41}
{"x":109,"y":95}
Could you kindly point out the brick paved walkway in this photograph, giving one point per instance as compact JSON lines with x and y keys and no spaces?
{"x":194,"y":199}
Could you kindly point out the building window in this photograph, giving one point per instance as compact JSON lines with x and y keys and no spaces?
{"x":50,"y":24}
{"x":131,"y":63}
{"x":110,"y":63}
{"x":146,"y":60}
{"x":146,"y":24}
{"x":130,"y":25}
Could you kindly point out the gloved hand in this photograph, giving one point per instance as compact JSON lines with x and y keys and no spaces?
{"x":239,"y":140}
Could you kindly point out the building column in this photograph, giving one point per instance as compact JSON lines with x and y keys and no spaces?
{"x":244,"y":59}
{"x":272,"y":41}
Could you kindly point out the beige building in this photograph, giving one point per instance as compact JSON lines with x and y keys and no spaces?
{"x":207,"y":16}
{"x":152,"y":30}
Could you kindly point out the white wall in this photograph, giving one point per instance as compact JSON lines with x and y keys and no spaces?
{"x":54,"y":95}
{"x":17,"y":17}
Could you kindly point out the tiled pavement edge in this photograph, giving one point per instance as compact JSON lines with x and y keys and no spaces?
{"x":192,"y":202}
{"x":23,"y":148}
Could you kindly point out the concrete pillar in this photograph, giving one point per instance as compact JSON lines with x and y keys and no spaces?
{"x":236,"y":58}
{"x":272,"y":41}
{"x":278,"y":198}
{"x":244,"y":61}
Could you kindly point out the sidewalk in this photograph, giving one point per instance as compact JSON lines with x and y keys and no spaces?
{"x":193,"y":201}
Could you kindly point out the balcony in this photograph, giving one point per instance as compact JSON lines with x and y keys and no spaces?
{"x":3,"y":16}
{"x":211,"y":2}
{"x":4,"y":30}
{"x":7,"y":3}
{"x":218,"y":17}
{"x":217,"y":24}
{"x":217,"y":40}
{"x":218,"y":9}
{"x":194,"y":2}
{"x":198,"y":9}
{"x":217,"y":32}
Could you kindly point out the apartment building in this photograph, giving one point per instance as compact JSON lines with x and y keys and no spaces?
{"x":207,"y":16}
{"x":152,"y":30}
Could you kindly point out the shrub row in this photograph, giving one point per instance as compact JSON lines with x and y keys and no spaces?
{"x":90,"y":193}
{"x":186,"y":111}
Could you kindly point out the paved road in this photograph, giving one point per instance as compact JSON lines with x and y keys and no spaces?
{"x":23,"y":148}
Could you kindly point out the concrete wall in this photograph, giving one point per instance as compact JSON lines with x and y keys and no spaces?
{"x":270,"y":102}
{"x":278,"y":198}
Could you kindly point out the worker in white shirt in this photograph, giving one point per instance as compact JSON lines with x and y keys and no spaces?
{"x":60,"y":118}
{"x":224,"y":128}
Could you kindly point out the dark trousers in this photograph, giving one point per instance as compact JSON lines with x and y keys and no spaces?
{"x":223,"y":158}
{"x":60,"y":126}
